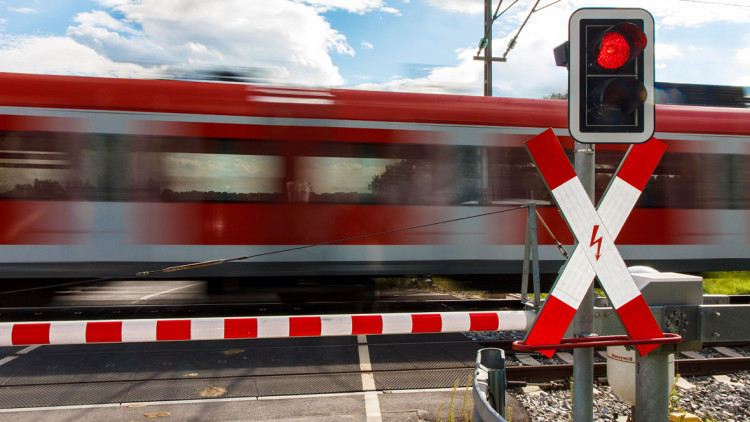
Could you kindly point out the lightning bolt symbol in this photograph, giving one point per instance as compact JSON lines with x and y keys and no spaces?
{"x":597,"y":242}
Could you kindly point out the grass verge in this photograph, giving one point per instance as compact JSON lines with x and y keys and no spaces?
{"x":726,"y":283}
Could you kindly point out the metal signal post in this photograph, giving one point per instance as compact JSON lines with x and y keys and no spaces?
{"x":610,"y":58}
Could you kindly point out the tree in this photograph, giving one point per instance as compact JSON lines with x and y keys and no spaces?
{"x":563,"y":95}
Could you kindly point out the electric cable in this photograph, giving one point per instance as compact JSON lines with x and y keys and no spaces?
{"x":330,"y":242}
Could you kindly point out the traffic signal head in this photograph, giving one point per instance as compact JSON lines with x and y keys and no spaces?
{"x":611,"y":78}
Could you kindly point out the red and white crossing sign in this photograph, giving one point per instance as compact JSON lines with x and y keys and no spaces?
{"x":595,"y":231}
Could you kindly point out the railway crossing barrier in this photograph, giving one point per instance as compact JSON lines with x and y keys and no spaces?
{"x":157,"y":330}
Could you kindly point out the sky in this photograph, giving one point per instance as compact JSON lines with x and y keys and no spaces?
{"x":391,"y":45}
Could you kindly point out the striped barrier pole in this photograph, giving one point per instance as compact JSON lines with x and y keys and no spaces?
{"x":157,"y":330}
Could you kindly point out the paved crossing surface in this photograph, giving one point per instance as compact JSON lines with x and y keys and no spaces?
{"x":337,"y":378}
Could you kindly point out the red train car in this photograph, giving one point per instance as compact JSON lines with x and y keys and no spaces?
{"x":108,"y":177}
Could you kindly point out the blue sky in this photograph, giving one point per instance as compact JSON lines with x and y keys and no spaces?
{"x":403,"y":45}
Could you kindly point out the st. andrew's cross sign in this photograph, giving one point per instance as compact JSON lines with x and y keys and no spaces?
{"x":595,"y":230}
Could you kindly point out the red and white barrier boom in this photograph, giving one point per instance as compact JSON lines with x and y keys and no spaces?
{"x":595,"y":230}
{"x":150,"y":330}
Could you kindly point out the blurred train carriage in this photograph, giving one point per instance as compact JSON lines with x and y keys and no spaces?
{"x":109,"y":177}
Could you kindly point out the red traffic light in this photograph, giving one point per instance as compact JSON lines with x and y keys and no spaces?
{"x":618,"y":45}
{"x":615,"y":51}
{"x":611,"y":75}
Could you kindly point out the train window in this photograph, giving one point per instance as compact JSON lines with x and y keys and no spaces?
{"x":194,"y":170}
{"x":513,"y":178}
{"x":219,"y":177}
{"x":366,"y":173}
{"x":38,"y":166}
{"x":733,"y":176}
{"x":348,"y":180}
{"x":680,"y":181}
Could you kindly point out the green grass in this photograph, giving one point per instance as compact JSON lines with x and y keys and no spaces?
{"x":727,"y":283}
{"x":719,"y":283}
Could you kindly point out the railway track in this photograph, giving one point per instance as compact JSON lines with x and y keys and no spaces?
{"x":713,"y":359}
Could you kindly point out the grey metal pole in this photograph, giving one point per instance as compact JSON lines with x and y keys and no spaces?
{"x":488,"y":48}
{"x":652,"y":387}
{"x":583,"y":323}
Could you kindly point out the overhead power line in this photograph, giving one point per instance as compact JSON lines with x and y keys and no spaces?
{"x":717,"y":3}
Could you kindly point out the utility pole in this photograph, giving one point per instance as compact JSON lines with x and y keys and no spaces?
{"x":486,"y":44}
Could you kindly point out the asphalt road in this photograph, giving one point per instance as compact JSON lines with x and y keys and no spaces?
{"x":373,"y":378}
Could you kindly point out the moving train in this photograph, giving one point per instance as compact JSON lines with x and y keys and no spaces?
{"x":110,"y":177}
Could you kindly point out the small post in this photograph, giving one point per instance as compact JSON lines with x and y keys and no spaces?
{"x":583,"y":323}
{"x":531,"y":256}
{"x":651,"y":387}
{"x":496,"y":383}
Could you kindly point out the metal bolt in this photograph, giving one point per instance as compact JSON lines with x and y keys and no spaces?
{"x":684,"y":315}
{"x":715,"y":334}
{"x":596,"y":314}
{"x":717,"y":313}
{"x":669,"y":323}
{"x":684,"y":331}
{"x":606,"y":314}
{"x":687,"y":322}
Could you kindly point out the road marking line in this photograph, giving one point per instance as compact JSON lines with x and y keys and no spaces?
{"x":23,"y":351}
{"x":372,"y":404}
{"x":372,"y":407}
{"x":28,"y":349}
{"x":216,"y":400}
{"x":169,"y":291}
{"x":77,"y":406}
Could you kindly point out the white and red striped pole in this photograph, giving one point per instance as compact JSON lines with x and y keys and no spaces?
{"x":594,"y":232}
{"x":156,"y":330}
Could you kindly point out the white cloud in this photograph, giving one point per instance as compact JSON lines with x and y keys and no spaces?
{"x":288,"y":38}
{"x":352,"y":6}
{"x":667,"y":51}
{"x":22,"y":10}
{"x":391,"y":10}
{"x":671,"y":13}
{"x":743,"y":58}
{"x":366,"y":45}
{"x":102,"y":19}
{"x":743,"y":54}
{"x":462,"y":6}
{"x":62,"y":55}
{"x":465,"y":78}
{"x":530,"y":70}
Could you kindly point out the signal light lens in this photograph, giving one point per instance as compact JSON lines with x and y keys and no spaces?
{"x":615,"y":51}
{"x":614,"y":100}
{"x":618,"y":45}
